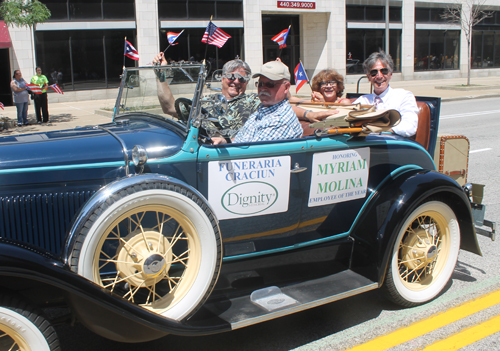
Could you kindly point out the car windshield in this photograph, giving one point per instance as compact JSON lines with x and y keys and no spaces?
{"x":140,"y":86}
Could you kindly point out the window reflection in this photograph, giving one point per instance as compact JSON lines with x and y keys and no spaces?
{"x":82,"y":60}
{"x":362,"y":42}
{"x":436,"y":49}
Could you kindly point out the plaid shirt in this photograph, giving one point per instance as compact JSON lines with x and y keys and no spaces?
{"x":271,"y":123}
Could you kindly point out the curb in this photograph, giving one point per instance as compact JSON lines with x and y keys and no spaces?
{"x":459,"y":98}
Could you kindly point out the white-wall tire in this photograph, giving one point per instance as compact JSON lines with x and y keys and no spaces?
{"x":24,"y":328}
{"x":171,"y":273}
{"x":424,"y":254}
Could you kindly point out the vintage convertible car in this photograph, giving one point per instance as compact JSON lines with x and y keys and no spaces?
{"x":141,"y":227}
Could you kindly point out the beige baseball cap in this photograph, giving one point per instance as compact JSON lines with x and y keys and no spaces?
{"x":274,"y":70}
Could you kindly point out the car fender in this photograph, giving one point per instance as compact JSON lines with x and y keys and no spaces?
{"x":376,"y":230}
{"x":103,"y":194}
{"x":97,"y":308}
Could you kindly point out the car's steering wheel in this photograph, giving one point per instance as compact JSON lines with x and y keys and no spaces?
{"x":183,"y":109}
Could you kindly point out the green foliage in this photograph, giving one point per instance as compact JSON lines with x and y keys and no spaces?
{"x":24,"y":13}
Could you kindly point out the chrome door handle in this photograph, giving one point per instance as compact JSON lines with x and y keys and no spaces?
{"x":297,"y":168}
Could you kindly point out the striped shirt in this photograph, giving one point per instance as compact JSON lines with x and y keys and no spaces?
{"x":270,"y":123}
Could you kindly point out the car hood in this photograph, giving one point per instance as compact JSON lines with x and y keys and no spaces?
{"x":88,"y":145}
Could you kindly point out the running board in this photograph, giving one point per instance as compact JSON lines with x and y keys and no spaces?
{"x":273,"y":302}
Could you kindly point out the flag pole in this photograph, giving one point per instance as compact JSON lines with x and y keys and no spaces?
{"x":208,"y":38}
{"x":124,"y":45}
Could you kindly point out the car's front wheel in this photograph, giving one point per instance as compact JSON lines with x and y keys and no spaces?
{"x":424,"y":254}
{"x":155,"y":245}
{"x":22,"y":327}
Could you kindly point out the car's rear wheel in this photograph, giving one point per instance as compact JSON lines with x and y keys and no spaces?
{"x":22,"y":327}
{"x":424,"y":254}
{"x":157,"y":247}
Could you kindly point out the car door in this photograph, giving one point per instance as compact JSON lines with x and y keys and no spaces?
{"x":256,"y":191}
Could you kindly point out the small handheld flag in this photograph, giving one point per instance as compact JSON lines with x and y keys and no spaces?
{"x":300,"y":77}
{"x":172,"y":37}
{"x":280,"y":38}
{"x":34,"y":88}
{"x":2,"y":105}
{"x":215,"y":36}
{"x":56,"y":88}
{"x":130,"y":51}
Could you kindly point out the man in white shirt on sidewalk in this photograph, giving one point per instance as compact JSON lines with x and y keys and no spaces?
{"x":378,"y":68}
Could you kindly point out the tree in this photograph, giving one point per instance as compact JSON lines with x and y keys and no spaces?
{"x":468,"y":13}
{"x":23,"y":13}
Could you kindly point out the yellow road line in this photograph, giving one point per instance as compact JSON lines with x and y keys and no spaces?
{"x":467,"y":336}
{"x":427,"y":325}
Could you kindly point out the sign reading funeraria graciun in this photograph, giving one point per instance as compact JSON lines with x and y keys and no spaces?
{"x":339,"y":176}
{"x":249,"y":187}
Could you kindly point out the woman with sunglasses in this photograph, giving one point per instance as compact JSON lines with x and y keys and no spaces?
{"x":328,"y":86}
{"x":378,"y":68}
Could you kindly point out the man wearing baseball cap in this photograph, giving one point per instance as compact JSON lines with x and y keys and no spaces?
{"x":274,"y":119}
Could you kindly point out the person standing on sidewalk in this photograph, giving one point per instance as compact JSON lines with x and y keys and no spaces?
{"x":41,"y":103}
{"x":378,"y":68}
{"x":20,"y":94}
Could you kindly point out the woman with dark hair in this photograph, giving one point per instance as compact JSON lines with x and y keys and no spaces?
{"x":41,"y":103}
{"x":327,"y":86}
{"x":20,"y":94}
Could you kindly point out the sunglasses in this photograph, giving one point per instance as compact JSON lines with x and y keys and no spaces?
{"x":268,"y":85}
{"x":331,"y":83}
{"x":384,"y":71}
{"x":236,"y":76}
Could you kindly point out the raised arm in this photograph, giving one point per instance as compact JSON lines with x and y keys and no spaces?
{"x":167,"y":101}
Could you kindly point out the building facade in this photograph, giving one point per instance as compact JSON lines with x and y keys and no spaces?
{"x":81,"y":46}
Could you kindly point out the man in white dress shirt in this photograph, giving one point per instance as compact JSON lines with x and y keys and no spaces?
{"x":378,"y":68}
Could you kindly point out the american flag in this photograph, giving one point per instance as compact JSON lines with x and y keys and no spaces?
{"x":172,"y":37}
{"x":2,"y":106}
{"x":300,"y":77}
{"x":130,"y":51}
{"x":215,"y":36}
{"x":280,"y":38}
{"x":56,"y":88}
{"x":34,"y":88}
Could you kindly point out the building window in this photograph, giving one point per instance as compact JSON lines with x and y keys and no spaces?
{"x":436,"y":49}
{"x":191,"y":48}
{"x":485,"y":49}
{"x":88,"y":59}
{"x":429,"y":15}
{"x":200,"y":9}
{"x":357,"y":13}
{"x":93,"y":10}
{"x":362,"y":42}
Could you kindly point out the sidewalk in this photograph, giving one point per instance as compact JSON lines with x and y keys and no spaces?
{"x":69,"y":115}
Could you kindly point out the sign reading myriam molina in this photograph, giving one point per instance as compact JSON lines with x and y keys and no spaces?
{"x":339,"y":176}
{"x":249,"y":187}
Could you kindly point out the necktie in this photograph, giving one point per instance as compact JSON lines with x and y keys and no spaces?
{"x":378,"y":102}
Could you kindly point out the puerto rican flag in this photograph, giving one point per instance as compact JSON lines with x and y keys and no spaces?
{"x":56,"y":88}
{"x":130,"y":51}
{"x":172,"y":37}
{"x":215,"y":36}
{"x":280,"y":38}
{"x":34,"y":88}
{"x":300,"y":77}
{"x":2,"y":105}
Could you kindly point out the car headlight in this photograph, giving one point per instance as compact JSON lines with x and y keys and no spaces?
{"x":139,"y":156}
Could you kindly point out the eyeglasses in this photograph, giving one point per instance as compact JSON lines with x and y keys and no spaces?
{"x":384,"y":71}
{"x":268,"y":85}
{"x":236,"y":76}
{"x":331,"y":83}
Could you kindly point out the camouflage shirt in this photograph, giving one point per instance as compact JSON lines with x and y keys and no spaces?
{"x":239,"y":109}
